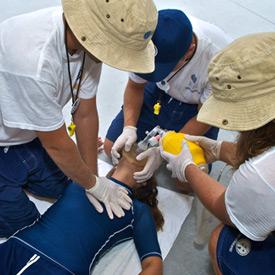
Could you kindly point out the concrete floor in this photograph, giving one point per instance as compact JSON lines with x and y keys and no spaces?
{"x":236,"y":18}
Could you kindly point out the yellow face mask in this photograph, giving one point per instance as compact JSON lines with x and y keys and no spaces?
{"x":172,"y":143}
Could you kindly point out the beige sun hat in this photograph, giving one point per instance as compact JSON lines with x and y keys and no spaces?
{"x":117,"y":32}
{"x":243,"y":84}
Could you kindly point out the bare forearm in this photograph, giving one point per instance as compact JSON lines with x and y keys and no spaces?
{"x":152,"y":267}
{"x":87,"y":133}
{"x":228,"y":153}
{"x":70,"y":162}
{"x":209,"y":191}
{"x":133,"y":100}
{"x":65,"y":154}
{"x":194,"y":127}
{"x":151,"y":270}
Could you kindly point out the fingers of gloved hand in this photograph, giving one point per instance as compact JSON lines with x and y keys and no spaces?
{"x":148,"y":169}
{"x":115,"y":161}
{"x":126,"y":199}
{"x":97,"y":205}
{"x":218,"y":149}
{"x":128,"y":144}
{"x":124,"y":204}
{"x":143,"y":177}
{"x":193,"y":138}
{"x":115,"y":155}
{"x":165,"y":155}
{"x":142,"y":155}
{"x":185,"y":152}
{"x":123,"y":190}
{"x":206,"y":143}
{"x":109,"y":210}
{"x":117,"y":210}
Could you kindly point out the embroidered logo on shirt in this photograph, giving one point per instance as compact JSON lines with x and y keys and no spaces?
{"x":243,"y":247}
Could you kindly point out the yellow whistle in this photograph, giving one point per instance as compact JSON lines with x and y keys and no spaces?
{"x":172,"y":143}
{"x":157,"y":107}
{"x":71,"y":129}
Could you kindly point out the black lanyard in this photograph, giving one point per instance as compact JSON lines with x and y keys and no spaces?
{"x":75,"y":99}
{"x":78,"y":78}
{"x":157,"y":105}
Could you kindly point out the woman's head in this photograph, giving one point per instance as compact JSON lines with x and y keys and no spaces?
{"x":243,"y":85}
{"x":146,"y":192}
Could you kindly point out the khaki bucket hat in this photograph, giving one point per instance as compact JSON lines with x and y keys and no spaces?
{"x":117,"y":32}
{"x":243,"y":84}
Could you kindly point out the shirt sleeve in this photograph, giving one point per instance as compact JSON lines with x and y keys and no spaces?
{"x":249,"y":201}
{"x":206,"y":93}
{"x":211,"y":51}
{"x":30,"y":104}
{"x":137,"y":78}
{"x":90,"y":80}
{"x":145,"y":234}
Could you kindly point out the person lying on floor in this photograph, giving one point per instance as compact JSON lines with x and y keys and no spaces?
{"x":63,"y":241}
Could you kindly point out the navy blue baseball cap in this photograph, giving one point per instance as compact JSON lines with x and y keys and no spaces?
{"x":172,"y":38}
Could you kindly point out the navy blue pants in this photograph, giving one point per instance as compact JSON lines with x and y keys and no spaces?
{"x":29,"y":167}
{"x":238,"y":255}
{"x":173,"y":115}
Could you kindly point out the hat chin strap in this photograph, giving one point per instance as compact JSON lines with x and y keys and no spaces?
{"x":188,"y":55}
{"x":192,"y":49}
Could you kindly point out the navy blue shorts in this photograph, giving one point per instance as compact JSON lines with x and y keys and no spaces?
{"x":18,"y":257}
{"x":239,"y":255}
{"x":29,"y":167}
{"x":173,"y":115}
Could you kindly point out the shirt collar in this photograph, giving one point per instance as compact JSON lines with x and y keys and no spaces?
{"x":129,"y":189}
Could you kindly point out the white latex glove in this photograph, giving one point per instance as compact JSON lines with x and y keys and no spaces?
{"x":178,"y":163}
{"x":153,"y":163}
{"x":210,"y":147}
{"x":127,"y":138}
{"x":114,"y":197}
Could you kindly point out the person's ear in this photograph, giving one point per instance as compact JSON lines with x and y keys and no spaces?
{"x":190,"y":50}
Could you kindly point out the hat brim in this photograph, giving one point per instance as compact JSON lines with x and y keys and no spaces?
{"x":238,"y":116}
{"x":101,"y":46}
{"x":161,"y":71}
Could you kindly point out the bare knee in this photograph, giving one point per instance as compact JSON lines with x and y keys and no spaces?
{"x":214,"y":240}
{"x":212,"y":246}
{"x":107,"y":146}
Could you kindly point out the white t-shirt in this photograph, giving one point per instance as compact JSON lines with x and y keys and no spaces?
{"x":250,"y":196}
{"x":190,"y":85}
{"x":34,"y":81}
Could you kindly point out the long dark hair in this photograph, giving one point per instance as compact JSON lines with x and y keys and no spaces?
{"x":146,"y":192}
{"x":254,"y":142}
